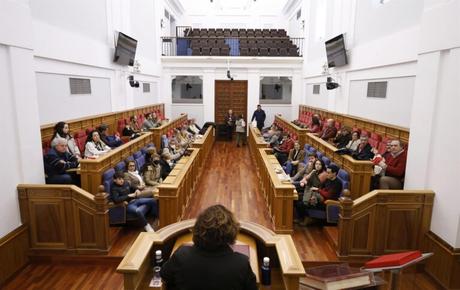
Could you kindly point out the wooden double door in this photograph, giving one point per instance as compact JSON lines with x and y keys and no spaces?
{"x":230,"y":95}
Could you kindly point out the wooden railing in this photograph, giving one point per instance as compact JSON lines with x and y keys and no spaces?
{"x":64,"y":219}
{"x":110,"y":119}
{"x":279,"y":195}
{"x":291,"y":128}
{"x":176,"y":190}
{"x":360,"y":171}
{"x":285,"y":262}
{"x":91,"y":170}
{"x":383,"y":129}
{"x":384,"y":222}
{"x":165,"y":128}
{"x":205,"y":145}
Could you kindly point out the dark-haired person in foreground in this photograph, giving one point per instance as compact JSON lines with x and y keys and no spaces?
{"x":210,"y":263}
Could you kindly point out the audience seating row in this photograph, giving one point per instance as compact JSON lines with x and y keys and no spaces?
{"x":235,"y":32}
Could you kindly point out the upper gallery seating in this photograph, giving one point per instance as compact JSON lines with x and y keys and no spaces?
{"x":236,"y":42}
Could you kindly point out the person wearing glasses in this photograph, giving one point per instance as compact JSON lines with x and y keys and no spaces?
{"x":394,"y":165}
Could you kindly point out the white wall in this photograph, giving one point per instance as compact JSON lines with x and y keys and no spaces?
{"x":18,"y":110}
{"x":215,"y":68}
{"x":67,"y":44}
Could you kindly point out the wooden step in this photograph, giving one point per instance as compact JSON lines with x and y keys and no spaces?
{"x":332,"y":234}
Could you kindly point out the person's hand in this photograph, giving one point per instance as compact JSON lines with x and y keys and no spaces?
{"x":62,"y":161}
{"x":141,"y":187}
{"x":302,"y":184}
{"x":295,"y":162}
{"x":132,"y":195}
{"x":314,"y":188}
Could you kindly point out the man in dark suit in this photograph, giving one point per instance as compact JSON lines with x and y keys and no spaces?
{"x":259,"y":116}
{"x":230,"y":119}
{"x":364,"y":151}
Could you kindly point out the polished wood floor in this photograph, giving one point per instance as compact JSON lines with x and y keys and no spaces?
{"x":229,"y":178}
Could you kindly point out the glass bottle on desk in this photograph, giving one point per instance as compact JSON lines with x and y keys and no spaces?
{"x":156,"y":280}
{"x":266,"y":272}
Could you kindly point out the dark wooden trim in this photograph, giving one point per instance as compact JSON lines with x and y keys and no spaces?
{"x":13,"y":253}
{"x":444,"y":265}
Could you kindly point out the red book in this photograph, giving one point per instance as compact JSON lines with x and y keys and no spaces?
{"x":393,"y":259}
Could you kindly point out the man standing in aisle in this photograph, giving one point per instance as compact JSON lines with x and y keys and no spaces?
{"x":259,"y":116}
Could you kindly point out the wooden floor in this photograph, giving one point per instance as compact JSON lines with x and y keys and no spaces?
{"x":229,"y":178}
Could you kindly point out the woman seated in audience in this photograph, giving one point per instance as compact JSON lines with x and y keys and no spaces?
{"x":343,"y":137}
{"x":210,"y":263}
{"x":135,"y":180}
{"x":296,"y":155}
{"x":134,"y":124}
{"x":175,"y":150}
{"x":57,"y":163}
{"x":111,"y":141}
{"x":130,"y":131}
{"x":354,"y":142}
{"x":121,"y":191}
{"x":313,"y":179}
{"x":61,"y":130}
{"x":151,"y":171}
{"x":193,"y":127}
{"x":303,"y":171}
{"x":94,"y":146}
{"x":315,"y":125}
{"x":270,"y":132}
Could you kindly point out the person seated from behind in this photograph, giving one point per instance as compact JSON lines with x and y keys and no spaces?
{"x":315,"y":125}
{"x":240,"y":131}
{"x":57,"y":161}
{"x":151,"y":171}
{"x":94,"y":146}
{"x":121,"y":191}
{"x":62,"y":130}
{"x":343,"y":138}
{"x":112,"y":141}
{"x":281,"y":152}
{"x":296,"y":155}
{"x":364,"y":151}
{"x":136,"y":181}
{"x":210,"y":263}
{"x":329,"y":132}
{"x":394,"y":166}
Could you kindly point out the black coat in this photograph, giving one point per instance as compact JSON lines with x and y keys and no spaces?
{"x":191,"y":268}
{"x":57,"y":163}
{"x":365,"y":154}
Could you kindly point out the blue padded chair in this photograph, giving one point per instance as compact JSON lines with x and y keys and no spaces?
{"x":120,"y":166}
{"x":164,"y":141}
{"x":326,"y":160}
{"x":117,"y":212}
{"x":319,"y":155}
{"x":140,"y":161}
{"x":137,"y":154}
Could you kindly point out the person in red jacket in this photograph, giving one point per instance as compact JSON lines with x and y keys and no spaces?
{"x":394,"y":165}
{"x":281,"y":152}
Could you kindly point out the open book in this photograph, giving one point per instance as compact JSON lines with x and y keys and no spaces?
{"x":331,"y":277}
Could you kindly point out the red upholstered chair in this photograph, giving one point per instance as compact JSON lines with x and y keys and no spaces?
{"x":364,"y":133}
{"x":80,"y":140}
{"x":376,"y":137}
{"x":374,"y":143}
{"x":382,"y":147}
{"x":46,"y":147}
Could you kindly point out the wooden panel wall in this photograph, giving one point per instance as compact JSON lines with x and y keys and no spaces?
{"x":444,"y":265}
{"x":110,"y":119}
{"x":13,"y":252}
{"x":383,"y":129}
{"x":230,"y":95}
{"x":64,"y":219}
{"x":384,"y":222}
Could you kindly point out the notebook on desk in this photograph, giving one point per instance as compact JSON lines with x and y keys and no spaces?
{"x":332,"y":277}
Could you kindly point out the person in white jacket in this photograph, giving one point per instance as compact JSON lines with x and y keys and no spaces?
{"x":94,"y":146}
{"x":240,"y":131}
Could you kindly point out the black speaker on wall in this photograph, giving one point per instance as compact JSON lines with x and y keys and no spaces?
{"x":330,"y":84}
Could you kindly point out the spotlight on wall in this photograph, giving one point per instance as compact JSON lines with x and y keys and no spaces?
{"x":162,"y":23}
{"x":229,"y":76}
{"x":132,"y":82}
{"x":330,"y":84}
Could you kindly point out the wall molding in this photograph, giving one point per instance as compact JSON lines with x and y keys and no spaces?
{"x":14,"y":249}
{"x":444,"y":266}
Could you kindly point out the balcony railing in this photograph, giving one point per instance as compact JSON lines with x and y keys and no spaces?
{"x":232,"y":46}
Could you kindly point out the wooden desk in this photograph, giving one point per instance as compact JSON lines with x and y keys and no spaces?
{"x":241,"y":239}
{"x":287,"y":267}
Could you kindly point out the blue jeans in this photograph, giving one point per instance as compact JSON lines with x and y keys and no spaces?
{"x":141,"y":207}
